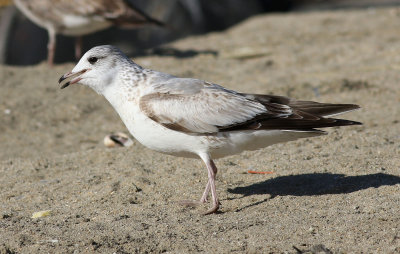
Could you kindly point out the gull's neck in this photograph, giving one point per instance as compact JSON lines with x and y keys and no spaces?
{"x":123,"y":91}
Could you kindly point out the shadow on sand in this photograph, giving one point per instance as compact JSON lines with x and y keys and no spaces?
{"x":315,"y":184}
{"x":174,"y":52}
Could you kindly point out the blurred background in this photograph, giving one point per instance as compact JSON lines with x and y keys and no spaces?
{"x":24,"y":43}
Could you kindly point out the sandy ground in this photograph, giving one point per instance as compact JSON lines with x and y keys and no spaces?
{"x":336,"y":193}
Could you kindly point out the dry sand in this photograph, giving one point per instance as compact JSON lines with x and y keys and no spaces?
{"x":339,"y":192}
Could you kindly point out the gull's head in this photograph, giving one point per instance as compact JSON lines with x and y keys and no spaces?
{"x":97,"y":68}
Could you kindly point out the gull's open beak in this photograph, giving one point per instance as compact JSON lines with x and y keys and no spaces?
{"x":73,"y":78}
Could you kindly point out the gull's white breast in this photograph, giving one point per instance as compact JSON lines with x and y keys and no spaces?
{"x":151,"y":134}
{"x":161,"y":139}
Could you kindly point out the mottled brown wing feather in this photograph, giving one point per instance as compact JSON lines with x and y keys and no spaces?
{"x":290,"y":124}
{"x":311,"y":107}
{"x":305,"y":114}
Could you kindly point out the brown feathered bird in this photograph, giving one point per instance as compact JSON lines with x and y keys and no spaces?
{"x":197,"y":119}
{"x":82,"y":17}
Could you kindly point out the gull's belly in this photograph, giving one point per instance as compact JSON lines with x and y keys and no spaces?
{"x":161,"y":139}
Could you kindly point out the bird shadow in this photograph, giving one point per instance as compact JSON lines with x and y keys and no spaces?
{"x":314,"y":185}
{"x":178,"y":53}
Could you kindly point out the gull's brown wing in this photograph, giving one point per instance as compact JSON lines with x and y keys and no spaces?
{"x":306,"y":115}
{"x":211,"y":108}
{"x":194,"y":106}
{"x":311,"y":107}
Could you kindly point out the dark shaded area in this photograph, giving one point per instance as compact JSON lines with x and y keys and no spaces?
{"x":183,"y":18}
{"x":167,"y":51}
{"x":315,"y":249}
{"x":316,"y":184}
{"x":26,"y":44}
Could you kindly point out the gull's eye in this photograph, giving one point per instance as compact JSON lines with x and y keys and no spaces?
{"x":92,"y":59}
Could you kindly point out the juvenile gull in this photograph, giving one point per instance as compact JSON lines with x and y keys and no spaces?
{"x":194,"y":118}
{"x":81,"y":17}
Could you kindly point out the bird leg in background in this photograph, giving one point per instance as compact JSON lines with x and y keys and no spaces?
{"x":51,"y":47}
{"x":78,"y":47}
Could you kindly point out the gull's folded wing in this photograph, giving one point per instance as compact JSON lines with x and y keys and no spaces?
{"x":195,"y":106}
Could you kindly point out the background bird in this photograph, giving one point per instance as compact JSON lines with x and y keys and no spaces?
{"x":82,"y":17}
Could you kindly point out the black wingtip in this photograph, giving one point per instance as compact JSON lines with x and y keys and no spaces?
{"x":343,"y":122}
{"x":351,"y":107}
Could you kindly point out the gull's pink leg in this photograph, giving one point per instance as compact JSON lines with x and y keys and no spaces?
{"x":205,"y":193}
{"x":51,"y":47}
{"x":202,"y":200}
{"x":212,"y":172}
{"x":78,"y":47}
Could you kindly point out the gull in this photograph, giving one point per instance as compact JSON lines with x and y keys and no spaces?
{"x":194,"y":118}
{"x":81,"y":17}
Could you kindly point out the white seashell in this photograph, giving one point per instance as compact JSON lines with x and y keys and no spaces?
{"x":118,"y":139}
{"x":40,"y":214}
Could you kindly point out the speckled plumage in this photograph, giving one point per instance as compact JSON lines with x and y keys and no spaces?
{"x":194,"y":118}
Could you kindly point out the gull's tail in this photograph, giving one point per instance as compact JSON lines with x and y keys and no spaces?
{"x":284,"y":113}
{"x":310,"y":107}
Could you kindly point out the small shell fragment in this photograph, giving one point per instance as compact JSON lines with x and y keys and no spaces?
{"x":41,"y":214}
{"x":118,"y":139}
